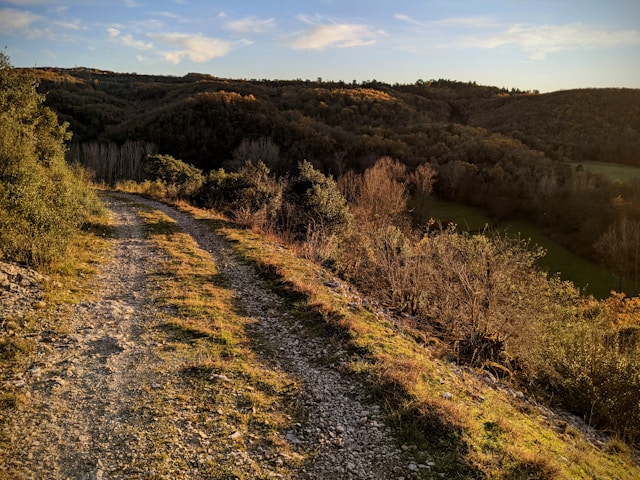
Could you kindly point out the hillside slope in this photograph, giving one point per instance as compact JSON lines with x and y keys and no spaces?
{"x":202,"y":119}
{"x":575,"y":125}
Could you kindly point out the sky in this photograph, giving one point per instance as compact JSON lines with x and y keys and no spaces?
{"x":543,"y":45}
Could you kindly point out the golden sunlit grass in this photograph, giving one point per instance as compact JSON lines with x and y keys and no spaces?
{"x":245,"y":405}
{"x":69,"y":280}
{"x":478,"y":430}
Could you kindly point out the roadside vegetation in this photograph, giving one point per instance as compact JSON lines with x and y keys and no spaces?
{"x":476,"y":301}
{"x":43,"y":201}
{"x":50,"y":217}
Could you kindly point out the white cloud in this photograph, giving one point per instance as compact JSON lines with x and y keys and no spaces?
{"x":195,"y":47}
{"x":18,"y":21}
{"x":73,"y":25}
{"x":540,"y":40}
{"x":406,"y":18}
{"x":250,"y":25}
{"x":472,"y":22}
{"x":468,"y":22}
{"x":170,"y":15}
{"x":331,"y":34}
{"x":128,"y":40}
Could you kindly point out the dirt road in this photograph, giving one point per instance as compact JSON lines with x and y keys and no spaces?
{"x":90,"y":390}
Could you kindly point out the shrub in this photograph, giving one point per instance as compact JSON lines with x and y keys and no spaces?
{"x":42,"y":199}
{"x":251,"y":195}
{"x":382,"y":195}
{"x":594,"y":369}
{"x":311,"y":202}
{"x":182,"y":180}
{"x":482,"y":294}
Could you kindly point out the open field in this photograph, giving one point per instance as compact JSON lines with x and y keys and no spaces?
{"x":613,"y":171}
{"x":595,"y":279}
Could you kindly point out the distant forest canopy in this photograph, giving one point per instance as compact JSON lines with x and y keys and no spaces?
{"x":510,"y":152}
{"x":202,"y":119}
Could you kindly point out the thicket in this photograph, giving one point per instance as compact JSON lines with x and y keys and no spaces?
{"x":42,"y":200}
{"x":251,"y":195}
{"x":312,"y":203}
{"x":181,"y":180}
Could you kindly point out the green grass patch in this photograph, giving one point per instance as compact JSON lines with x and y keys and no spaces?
{"x":613,"y":171}
{"x":592,"y":278}
{"x":467,"y":218}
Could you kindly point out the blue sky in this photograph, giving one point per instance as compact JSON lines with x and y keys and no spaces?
{"x":544,"y":45}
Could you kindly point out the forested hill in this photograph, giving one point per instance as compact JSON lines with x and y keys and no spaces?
{"x":203,"y":119}
{"x":579,"y":125}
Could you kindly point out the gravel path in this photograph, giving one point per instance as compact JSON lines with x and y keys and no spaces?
{"x":84,"y":419}
{"x":84,"y":384}
{"x":349,"y":433}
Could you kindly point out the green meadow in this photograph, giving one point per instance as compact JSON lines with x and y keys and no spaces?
{"x":613,"y":171}
{"x":589,"y":276}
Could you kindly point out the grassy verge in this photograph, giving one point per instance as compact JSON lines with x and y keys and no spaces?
{"x":479,"y":431}
{"x":244,"y":405}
